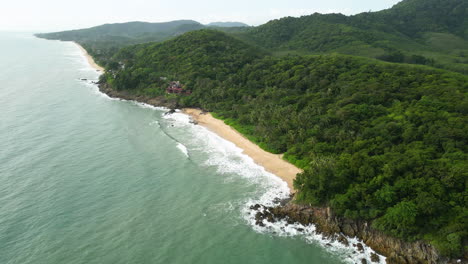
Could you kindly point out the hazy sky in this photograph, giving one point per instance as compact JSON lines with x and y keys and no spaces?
{"x":53,"y":15}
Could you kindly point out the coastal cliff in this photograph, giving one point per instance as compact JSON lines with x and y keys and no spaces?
{"x":330,"y":225}
{"x":160,"y":101}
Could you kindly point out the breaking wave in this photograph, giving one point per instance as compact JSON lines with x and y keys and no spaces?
{"x":183,"y":149}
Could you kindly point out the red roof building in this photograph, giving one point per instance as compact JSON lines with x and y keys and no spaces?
{"x":176,"y":88}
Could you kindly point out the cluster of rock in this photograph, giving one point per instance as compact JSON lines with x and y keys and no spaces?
{"x":274,"y":214}
{"x":331,"y":226}
{"x":155,"y":101}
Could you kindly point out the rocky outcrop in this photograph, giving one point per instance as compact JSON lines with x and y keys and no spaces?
{"x":396,"y":250}
{"x":155,"y":101}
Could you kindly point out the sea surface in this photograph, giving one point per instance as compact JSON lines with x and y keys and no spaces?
{"x":89,"y":179}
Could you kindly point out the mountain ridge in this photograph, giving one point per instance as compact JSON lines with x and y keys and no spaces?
{"x":412,"y":31}
{"x":227,"y":24}
{"x":388,"y":34}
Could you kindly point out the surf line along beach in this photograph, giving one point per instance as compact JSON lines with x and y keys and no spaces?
{"x":272,"y":163}
{"x":89,"y":58}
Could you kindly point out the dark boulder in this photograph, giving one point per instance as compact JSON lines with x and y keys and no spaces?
{"x":255,"y":207}
{"x":360,"y":247}
{"x":343,"y":240}
{"x":374,"y":257}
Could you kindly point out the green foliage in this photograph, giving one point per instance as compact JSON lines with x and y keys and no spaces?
{"x":191,"y":58}
{"x":415,"y":16}
{"x":399,"y":220}
{"x":404,"y":33}
{"x":399,"y":57}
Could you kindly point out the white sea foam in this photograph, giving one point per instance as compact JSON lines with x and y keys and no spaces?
{"x":178,"y":119}
{"x":183,"y":148}
{"x":95,"y":89}
{"x":349,"y":253}
{"x":155,"y":123}
{"x":145,"y":105}
{"x":82,"y":58}
{"x":225,"y":156}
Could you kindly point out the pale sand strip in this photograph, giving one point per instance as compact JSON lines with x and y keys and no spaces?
{"x":271,"y":162}
{"x":89,"y":58}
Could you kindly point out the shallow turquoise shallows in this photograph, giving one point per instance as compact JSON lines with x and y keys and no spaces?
{"x":88,"y":179}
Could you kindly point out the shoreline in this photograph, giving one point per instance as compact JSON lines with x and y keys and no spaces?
{"x":89,"y":58}
{"x":272,"y":163}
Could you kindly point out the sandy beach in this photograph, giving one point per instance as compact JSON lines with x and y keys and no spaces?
{"x":90,"y":59}
{"x":273,"y":163}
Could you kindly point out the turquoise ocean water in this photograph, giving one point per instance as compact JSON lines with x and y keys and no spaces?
{"x":88,"y":179}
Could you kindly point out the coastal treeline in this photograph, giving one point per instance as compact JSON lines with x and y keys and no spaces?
{"x":377,"y":141}
{"x":405,"y":33}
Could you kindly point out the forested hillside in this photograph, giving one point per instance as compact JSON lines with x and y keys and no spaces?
{"x":190,"y":57}
{"x":413,"y":17}
{"x":409,"y":32}
{"x":104,"y":41}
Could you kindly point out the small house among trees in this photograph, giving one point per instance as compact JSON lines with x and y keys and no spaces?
{"x":176,"y":88}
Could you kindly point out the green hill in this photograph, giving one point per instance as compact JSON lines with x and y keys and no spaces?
{"x":227,"y":24}
{"x":129,"y":30}
{"x":402,"y":34}
{"x":413,"y":17}
{"x":104,"y":41}
{"x":192,"y":56}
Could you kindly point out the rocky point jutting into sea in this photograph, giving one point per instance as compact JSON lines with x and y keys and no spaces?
{"x":337,"y":228}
